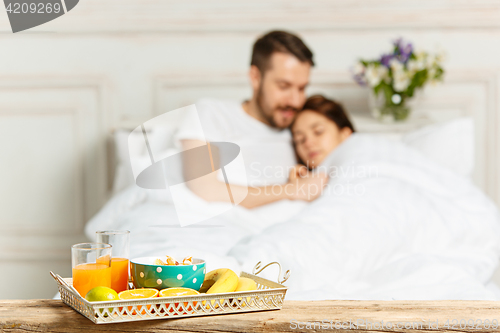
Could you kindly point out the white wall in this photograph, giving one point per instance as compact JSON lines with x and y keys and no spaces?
{"x":64,"y":87}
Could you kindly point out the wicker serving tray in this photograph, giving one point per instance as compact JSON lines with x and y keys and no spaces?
{"x":268,"y":296}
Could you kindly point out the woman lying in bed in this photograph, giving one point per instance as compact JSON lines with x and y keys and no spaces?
{"x":391,"y":224}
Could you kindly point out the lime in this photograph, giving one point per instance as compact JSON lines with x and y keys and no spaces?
{"x":99,"y":294}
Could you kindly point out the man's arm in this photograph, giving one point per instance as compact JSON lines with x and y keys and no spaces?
{"x":209,"y":188}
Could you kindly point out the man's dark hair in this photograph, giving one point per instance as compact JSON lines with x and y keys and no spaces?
{"x":279,"y":41}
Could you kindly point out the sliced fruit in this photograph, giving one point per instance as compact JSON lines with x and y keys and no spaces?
{"x":177,"y":292}
{"x":172,"y":292}
{"x":138,"y":294}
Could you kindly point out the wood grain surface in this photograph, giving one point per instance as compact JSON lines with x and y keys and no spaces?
{"x":296,"y":316}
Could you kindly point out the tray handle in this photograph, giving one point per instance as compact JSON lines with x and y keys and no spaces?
{"x":256,"y":270}
{"x":59,"y":279}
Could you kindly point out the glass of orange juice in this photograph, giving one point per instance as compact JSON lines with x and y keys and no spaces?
{"x":91,"y":264}
{"x":120,"y":240}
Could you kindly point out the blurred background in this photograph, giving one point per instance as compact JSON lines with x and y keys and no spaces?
{"x":68,"y":86}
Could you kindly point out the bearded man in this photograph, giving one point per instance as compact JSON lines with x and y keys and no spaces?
{"x":279,"y":74}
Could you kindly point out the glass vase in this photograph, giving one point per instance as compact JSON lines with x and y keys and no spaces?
{"x":393,"y":110}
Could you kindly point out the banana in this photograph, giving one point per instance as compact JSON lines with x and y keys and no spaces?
{"x":222,"y":280}
{"x":245,"y":284}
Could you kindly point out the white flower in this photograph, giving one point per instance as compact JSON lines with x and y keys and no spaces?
{"x":430,"y":61}
{"x":431,"y":73}
{"x":421,"y":64}
{"x":419,"y":54}
{"x":358,"y":68}
{"x":420,"y":57}
{"x":401,"y":80}
{"x":415,"y":66}
{"x":395,"y":65}
{"x":441,"y":56}
{"x":400,"y":75}
{"x":412,"y":66}
{"x":375,"y":73}
{"x":401,"y":84}
{"x":433,"y":82}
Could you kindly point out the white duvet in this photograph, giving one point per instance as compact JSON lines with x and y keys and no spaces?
{"x":390,"y":225}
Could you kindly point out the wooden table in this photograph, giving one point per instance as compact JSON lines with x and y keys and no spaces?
{"x":54,"y":316}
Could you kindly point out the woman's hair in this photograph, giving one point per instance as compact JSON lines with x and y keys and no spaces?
{"x":330,"y":109}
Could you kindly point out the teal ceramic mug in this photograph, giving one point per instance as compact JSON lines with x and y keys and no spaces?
{"x":145,"y":274}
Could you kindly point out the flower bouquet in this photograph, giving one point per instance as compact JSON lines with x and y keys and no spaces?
{"x":395,"y":77}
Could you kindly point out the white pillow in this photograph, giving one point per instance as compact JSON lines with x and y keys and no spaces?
{"x":450,"y":144}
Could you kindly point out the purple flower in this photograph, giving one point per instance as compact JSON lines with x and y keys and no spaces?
{"x":386,"y":58}
{"x":360,"y":79}
{"x":402,"y":51}
{"x":398,"y":42}
{"x":358,"y":73}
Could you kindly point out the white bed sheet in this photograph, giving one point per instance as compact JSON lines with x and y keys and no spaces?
{"x":419,"y":231}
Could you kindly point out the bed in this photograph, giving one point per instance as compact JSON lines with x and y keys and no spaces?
{"x":423,"y":231}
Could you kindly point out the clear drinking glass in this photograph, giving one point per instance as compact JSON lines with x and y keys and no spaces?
{"x":91,"y":266}
{"x":120,"y":240}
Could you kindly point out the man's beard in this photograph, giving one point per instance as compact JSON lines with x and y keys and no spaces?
{"x":269,"y":117}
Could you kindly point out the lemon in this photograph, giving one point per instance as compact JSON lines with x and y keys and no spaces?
{"x":99,"y":294}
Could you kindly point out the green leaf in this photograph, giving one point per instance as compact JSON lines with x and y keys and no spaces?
{"x":439,"y":73}
{"x":388,"y":92}
{"x":377,"y":88}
